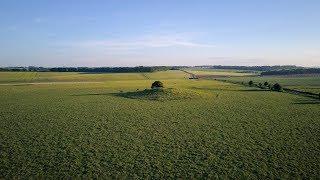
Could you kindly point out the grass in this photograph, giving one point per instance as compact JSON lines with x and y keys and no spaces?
{"x":32,"y":77}
{"x":90,"y":130}
{"x":174,"y":74}
{"x":220,"y":72}
{"x":25,"y":77}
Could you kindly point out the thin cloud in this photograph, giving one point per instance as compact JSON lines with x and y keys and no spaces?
{"x":150,"y":41}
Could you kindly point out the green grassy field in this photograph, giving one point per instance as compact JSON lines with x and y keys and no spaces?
{"x":220,"y":72}
{"x":31,"y":77}
{"x":305,"y":83}
{"x":112,"y":127}
{"x":309,"y":83}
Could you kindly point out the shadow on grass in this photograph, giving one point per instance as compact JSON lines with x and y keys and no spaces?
{"x":130,"y":95}
{"x":22,"y":85}
{"x":253,"y":90}
{"x":147,"y":94}
{"x":166,"y":94}
{"x":95,"y":72}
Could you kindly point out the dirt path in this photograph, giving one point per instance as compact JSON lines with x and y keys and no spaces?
{"x":193,"y":76}
{"x":145,"y":76}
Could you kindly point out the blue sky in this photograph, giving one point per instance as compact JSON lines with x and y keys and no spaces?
{"x":166,"y":32}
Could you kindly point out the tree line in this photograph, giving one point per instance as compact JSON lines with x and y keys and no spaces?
{"x":266,"y":85}
{"x":266,"y":70}
{"x":278,"y":87}
{"x":250,"y":68}
{"x":93,"y":69}
{"x":293,"y":71}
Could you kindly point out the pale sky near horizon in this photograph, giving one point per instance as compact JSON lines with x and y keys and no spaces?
{"x":159,"y":32}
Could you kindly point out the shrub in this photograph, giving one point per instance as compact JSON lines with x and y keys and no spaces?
{"x":250,"y":83}
{"x":266,"y":83}
{"x":157,"y":84}
{"x":277,"y":87}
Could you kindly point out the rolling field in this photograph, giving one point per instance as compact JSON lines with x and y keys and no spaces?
{"x":309,"y":83}
{"x":220,"y":72}
{"x":113,"y":127}
{"x":34,"y":77}
{"x":305,"y":83}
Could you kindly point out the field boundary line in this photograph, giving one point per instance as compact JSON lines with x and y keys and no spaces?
{"x":145,"y":75}
{"x":192,"y":75}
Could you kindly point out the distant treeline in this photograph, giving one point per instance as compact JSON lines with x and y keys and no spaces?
{"x":93,"y":69}
{"x":266,"y":70}
{"x":251,"y":68}
{"x":112,"y":69}
{"x":293,"y":71}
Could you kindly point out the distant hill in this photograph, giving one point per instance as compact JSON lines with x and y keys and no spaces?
{"x":265,"y":70}
{"x":293,"y":71}
{"x":252,"y":68}
{"x":92,"y":69}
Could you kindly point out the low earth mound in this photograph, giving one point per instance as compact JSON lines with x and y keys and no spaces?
{"x":162,"y":94}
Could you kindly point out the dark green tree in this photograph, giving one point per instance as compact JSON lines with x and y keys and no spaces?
{"x":277,"y":87}
{"x":266,"y":83}
{"x":157,"y":84}
{"x":250,"y":83}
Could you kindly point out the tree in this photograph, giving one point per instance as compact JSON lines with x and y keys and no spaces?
{"x":250,"y":83}
{"x":266,"y":83}
{"x":157,"y":84}
{"x":277,"y":87}
{"x":260,"y":85}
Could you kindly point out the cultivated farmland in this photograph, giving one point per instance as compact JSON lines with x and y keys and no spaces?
{"x":309,"y":83}
{"x":220,"y":72}
{"x":81,"y":125}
